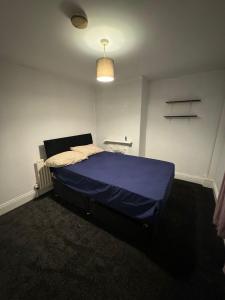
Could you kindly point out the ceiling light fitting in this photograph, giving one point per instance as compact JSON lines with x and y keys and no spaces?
{"x":105,"y":65}
{"x":79,"y":20}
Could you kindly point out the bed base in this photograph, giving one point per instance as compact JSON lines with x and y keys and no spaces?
{"x":113,"y":220}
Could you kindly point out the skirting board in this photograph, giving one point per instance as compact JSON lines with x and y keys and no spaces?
{"x":190,"y":178}
{"x":20,"y":200}
{"x":16,"y":202}
{"x":206,"y":182}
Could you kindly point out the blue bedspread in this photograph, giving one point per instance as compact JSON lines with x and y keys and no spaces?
{"x":134,"y":186}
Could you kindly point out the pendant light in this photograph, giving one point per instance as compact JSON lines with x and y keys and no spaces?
{"x":105,"y":66}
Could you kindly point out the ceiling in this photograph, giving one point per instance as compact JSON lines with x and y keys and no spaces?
{"x":154,"y":38}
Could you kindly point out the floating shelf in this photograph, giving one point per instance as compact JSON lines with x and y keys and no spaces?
{"x":123,"y":143}
{"x":180,"y":116}
{"x":182,"y":101}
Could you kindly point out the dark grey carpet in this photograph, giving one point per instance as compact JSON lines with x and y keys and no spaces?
{"x":48,"y":251}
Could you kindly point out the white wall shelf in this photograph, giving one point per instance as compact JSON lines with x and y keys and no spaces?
{"x":116,"y":142}
{"x":180,"y":116}
{"x":183,"y":101}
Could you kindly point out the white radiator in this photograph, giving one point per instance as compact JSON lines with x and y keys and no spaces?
{"x":43,"y":177}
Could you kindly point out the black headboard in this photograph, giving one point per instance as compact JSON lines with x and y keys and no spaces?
{"x":56,"y":146}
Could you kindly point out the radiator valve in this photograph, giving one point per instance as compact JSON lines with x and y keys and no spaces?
{"x":36,"y":186}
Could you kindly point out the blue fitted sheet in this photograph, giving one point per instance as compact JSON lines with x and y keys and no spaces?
{"x":134,"y":186}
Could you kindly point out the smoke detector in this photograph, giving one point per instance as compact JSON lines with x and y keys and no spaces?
{"x":79,"y":20}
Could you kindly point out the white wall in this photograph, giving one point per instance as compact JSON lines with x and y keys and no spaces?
{"x":189,"y":143}
{"x":118,"y":109}
{"x":35,"y":106}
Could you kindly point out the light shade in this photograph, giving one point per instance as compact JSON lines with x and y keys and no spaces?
{"x":105,"y":69}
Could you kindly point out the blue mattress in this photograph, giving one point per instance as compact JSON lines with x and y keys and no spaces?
{"x":135,"y":186}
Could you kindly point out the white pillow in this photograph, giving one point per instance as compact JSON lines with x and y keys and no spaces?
{"x":87,"y":149}
{"x":64,"y":159}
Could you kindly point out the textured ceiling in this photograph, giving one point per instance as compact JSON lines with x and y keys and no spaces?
{"x":155,"y":38}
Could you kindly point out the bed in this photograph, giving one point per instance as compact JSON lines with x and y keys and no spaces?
{"x":134,"y":187}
